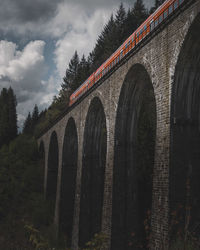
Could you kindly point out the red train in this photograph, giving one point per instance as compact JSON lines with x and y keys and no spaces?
{"x":165,"y":10}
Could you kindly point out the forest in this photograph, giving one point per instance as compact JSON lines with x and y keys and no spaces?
{"x":25,"y":217}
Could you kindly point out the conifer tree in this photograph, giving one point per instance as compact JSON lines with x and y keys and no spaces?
{"x":139,"y":12}
{"x":71,"y":73}
{"x":35,"y":116}
{"x":27,"y":128}
{"x":130,"y":23}
{"x":8,"y":116}
{"x":12,"y":114}
{"x":83,"y":71}
{"x":106,"y":44}
{"x":158,"y":3}
{"x":119,"y":22}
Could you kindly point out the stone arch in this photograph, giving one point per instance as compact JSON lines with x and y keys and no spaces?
{"x":135,"y":133}
{"x":52,"y":172}
{"x":184,"y":179}
{"x":68,"y":179}
{"x":93,"y":169}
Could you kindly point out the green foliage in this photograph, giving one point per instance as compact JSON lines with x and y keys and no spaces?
{"x":98,"y":242}
{"x":17,"y":162}
{"x":71,"y":73}
{"x":35,"y":238}
{"x":27,"y":124}
{"x":31,"y":121}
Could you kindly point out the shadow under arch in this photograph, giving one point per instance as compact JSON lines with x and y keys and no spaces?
{"x":134,"y":160}
{"x":184,"y":195}
{"x":52,"y":173}
{"x":93,"y":169}
{"x":68,"y":179}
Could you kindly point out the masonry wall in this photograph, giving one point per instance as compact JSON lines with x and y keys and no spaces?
{"x":159,"y":57}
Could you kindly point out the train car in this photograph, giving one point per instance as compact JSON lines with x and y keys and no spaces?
{"x":148,"y":26}
{"x":82,"y":89}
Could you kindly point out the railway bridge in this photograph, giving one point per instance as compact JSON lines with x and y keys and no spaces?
{"x":126,"y":156}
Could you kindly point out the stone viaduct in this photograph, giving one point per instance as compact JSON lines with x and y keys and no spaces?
{"x":128,"y":152}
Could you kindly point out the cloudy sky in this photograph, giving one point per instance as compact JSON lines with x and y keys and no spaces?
{"x":37,"y":40}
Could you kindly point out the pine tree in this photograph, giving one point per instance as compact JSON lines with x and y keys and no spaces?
{"x":35,"y":116}
{"x":139,"y":12}
{"x":3,"y":117}
{"x":71,"y":73}
{"x":156,"y":5}
{"x":106,"y":44}
{"x":130,"y":23}
{"x":8,"y":116}
{"x":83,"y":71}
{"x":12,"y":119}
{"x":27,"y":128}
{"x":119,"y":22}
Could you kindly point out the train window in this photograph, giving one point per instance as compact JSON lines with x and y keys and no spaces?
{"x":145,"y":27}
{"x":118,"y":58}
{"x":121,"y":55}
{"x":160,"y":18}
{"x":156,"y":22}
{"x":129,"y":43}
{"x":126,"y":46}
{"x":165,"y":13}
{"x":152,"y":25}
{"x":170,"y":9}
{"x":138,"y":35}
{"x":175,"y":4}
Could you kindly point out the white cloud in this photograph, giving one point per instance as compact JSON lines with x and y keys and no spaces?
{"x":78,"y":33}
{"x":23,"y":71}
